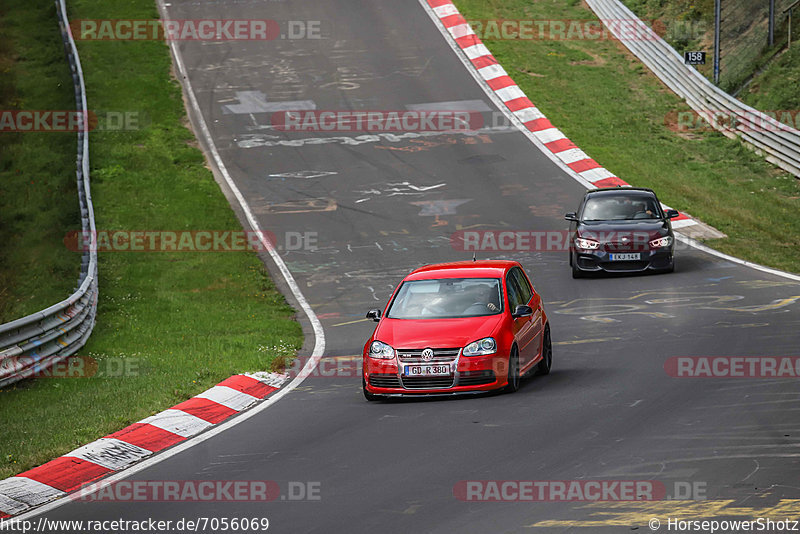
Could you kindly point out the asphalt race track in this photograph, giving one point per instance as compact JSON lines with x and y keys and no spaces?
{"x":379,"y":208}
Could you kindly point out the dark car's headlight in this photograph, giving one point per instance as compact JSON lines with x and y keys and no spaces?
{"x":586,"y":244}
{"x":381,"y":350}
{"x":661,"y":242}
{"x":481,"y":347}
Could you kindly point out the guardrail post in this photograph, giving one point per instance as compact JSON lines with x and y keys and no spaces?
{"x":717,"y":22}
{"x":771,"y":22}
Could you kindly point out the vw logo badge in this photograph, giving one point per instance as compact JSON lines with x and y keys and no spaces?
{"x":427,"y":355}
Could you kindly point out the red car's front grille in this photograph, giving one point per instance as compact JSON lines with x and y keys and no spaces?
{"x":384,"y":380}
{"x":475,"y":378}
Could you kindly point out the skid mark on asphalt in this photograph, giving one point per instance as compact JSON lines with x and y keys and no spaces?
{"x":639,"y":513}
{"x":256,"y":102}
{"x":303,"y":174}
{"x":307,"y":205}
{"x":470,"y":136}
{"x":774,"y":305}
{"x":434,"y":208}
{"x":608,"y":309}
{"x":416,"y":145}
{"x":763,"y":284}
{"x":581,"y":341}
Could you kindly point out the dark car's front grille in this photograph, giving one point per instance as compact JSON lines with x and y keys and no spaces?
{"x":631,"y":246}
{"x":475,"y":378}
{"x":384,"y":380}
{"x":439,"y":355}
{"x":625,"y":265}
{"x":427,"y":382}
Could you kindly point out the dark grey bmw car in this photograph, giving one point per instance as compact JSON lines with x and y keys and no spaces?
{"x":621,"y":229}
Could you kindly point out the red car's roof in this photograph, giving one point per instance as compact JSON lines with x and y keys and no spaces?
{"x":463,"y":269}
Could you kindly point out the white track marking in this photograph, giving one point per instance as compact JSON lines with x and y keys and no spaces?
{"x":178,"y":422}
{"x":110,"y":453}
{"x":27,"y":491}
{"x":228,"y":397}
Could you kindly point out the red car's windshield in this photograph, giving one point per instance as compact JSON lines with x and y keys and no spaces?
{"x":447,"y":298}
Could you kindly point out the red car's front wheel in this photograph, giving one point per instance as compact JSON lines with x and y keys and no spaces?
{"x":543,"y":367}
{"x":513,"y":370}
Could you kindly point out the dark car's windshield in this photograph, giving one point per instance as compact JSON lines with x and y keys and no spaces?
{"x":620,"y":208}
{"x":447,"y":298}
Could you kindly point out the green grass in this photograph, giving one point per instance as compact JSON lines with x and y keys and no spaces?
{"x":182,"y":321}
{"x":614,"y":108}
{"x":776,"y":88}
{"x":38,"y":192}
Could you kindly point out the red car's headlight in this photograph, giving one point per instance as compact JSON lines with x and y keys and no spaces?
{"x":381,"y":350}
{"x":481,"y":347}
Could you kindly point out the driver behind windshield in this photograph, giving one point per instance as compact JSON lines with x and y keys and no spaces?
{"x":482,"y":297}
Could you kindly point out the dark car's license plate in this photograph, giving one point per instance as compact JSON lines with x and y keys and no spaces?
{"x":625,"y":257}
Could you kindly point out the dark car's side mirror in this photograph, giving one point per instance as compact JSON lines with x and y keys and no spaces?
{"x":671,"y":214}
{"x":522,"y":311}
{"x":572,"y":216}
{"x":374,"y":314}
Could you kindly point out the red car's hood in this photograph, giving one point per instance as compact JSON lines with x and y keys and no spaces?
{"x":436,"y":333}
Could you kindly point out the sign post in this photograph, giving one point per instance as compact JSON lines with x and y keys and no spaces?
{"x":717,"y":17}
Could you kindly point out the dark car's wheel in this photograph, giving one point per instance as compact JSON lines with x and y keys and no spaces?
{"x":543,"y":367}
{"x":367,"y":395}
{"x":513,"y":371}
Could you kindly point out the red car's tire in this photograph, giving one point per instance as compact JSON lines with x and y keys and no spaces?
{"x":544,"y":366}
{"x":514,"y":377}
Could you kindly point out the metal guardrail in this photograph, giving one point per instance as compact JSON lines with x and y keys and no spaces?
{"x":35,"y":343}
{"x":777,"y":142}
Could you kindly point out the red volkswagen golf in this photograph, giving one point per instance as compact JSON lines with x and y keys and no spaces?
{"x":457,"y":328}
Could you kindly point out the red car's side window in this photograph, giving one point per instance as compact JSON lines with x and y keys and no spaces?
{"x":525,"y":291}
{"x":514,"y":292}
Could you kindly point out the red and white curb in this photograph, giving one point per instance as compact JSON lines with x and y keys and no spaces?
{"x":124,"y":448}
{"x":586,"y":169}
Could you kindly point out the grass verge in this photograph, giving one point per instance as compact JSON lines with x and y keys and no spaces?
{"x":38,"y":192}
{"x":169,"y":324}
{"x":616,"y":110}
